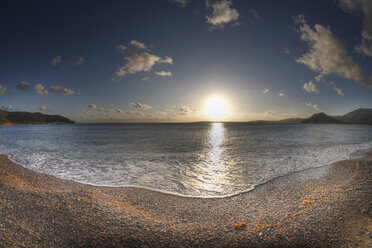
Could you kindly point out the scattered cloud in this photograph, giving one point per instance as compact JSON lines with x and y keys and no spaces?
{"x":138,"y":62}
{"x":137,"y":44}
{"x":164,"y":73}
{"x":140,"y":105}
{"x":328,"y":54}
{"x":254,"y":13}
{"x":23,"y":86}
{"x":365,"y":7}
{"x":337,"y":90}
{"x":56,"y":60}
{"x":269,"y":113}
{"x":311,"y":87}
{"x":167,"y":60}
{"x":266,"y":91}
{"x":300,"y":19}
{"x":282,"y":93}
{"x":145,"y":78}
{"x":40,"y":89}
{"x":287,"y":51}
{"x":121,"y":48}
{"x":8,"y":107}
{"x":61,"y":91}
{"x":119,"y":111}
{"x":182,"y":3}
{"x":3,"y":90}
{"x":44,"y":108}
{"x":79,"y":61}
{"x":184,"y":109}
{"x":314,"y":106}
{"x":134,"y":113}
{"x":176,"y":114}
{"x":92,"y":106}
{"x":163,"y":113}
{"x":222,"y":13}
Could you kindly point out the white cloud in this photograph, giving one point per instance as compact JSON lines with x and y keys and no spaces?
{"x":44,"y":108}
{"x":281,"y":93}
{"x":79,"y":61}
{"x":337,"y":90}
{"x":145,"y":78}
{"x":164,"y":73}
{"x":137,"y":44}
{"x":140,"y":105}
{"x":61,"y":91}
{"x":101,"y":109}
{"x":92,"y":106}
{"x":222,"y":13}
{"x":119,"y":111}
{"x":328,"y":54}
{"x":121,"y":48}
{"x":8,"y":107}
{"x":56,"y":60}
{"x":3,"y":90}
{"x":266,"y":91}
{"x":184,"y":109}
{"x":23,"y":86}
{"x":40,"y":89}
{"x":167,"y":60}
{"x":311,"y":87}
{"x":138,"y":62}
{"x":269,"y":113}
{"x":180,"y":2}
{"x":161,"y":113}
{"x":314,"y":106}
{"x":287,"y":51}
{"x":364,"y":6}
{"x":134,"y":113}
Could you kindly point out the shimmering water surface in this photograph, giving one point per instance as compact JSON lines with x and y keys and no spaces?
{"x":199,"y":159}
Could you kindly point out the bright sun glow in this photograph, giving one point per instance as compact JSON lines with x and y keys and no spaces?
{"x":216,"y":108}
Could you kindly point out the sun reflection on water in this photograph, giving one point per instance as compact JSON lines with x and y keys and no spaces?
{"x":216,"y":138}
{"x":214,"y":171}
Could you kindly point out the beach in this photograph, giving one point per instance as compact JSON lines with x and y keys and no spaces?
{"x":329,"y":206}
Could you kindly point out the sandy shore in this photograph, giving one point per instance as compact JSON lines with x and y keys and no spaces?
{"x":324,"y":207}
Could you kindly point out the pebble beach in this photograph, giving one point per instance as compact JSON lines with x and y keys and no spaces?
{"x":329,"y":206}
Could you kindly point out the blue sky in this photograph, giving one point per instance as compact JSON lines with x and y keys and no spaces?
{"x":123,"y":61}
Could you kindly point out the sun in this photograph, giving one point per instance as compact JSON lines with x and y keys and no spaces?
{"x":216,"y":108}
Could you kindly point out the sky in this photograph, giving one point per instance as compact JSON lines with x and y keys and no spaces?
{"x":185,"y":60}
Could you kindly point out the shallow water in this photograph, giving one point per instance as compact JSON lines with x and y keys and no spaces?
{"x":199,"y":159}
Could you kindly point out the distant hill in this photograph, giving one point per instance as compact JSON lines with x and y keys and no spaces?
{"x":359,"y":116}
{"x":14,"y":118}
{"x":291,"y":120}
{"x":285,"y":121}
{"x":322,"y":118}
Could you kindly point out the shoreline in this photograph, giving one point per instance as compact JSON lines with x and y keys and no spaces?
{"x":328,"y":206}
{"x":363,"y":154}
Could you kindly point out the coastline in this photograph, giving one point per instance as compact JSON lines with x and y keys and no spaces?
{"x":328,"y":206}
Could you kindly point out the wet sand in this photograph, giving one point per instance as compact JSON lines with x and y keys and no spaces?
{"x":324,"y":207}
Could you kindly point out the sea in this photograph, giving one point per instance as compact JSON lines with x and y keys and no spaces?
{"x":192,"y":159}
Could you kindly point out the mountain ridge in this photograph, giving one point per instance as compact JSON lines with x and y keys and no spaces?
{"x":358,"y":116}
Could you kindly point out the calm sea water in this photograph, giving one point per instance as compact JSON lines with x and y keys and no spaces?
{"x":204,"y":159}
